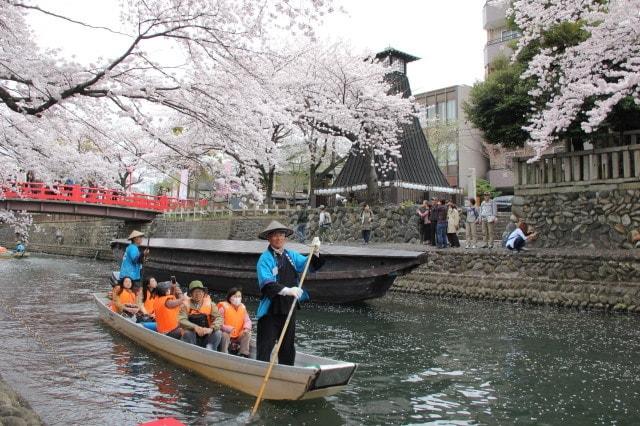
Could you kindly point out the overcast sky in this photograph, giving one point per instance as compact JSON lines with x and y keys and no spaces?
{"x":446,"y":34}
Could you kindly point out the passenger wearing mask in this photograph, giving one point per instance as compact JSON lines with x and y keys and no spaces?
{"x":125,"y":300}
{"x":236,"y":327}
{"x":200,"y":318}
{"x":166,"y":308}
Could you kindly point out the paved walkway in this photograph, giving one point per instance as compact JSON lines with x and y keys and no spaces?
{"x":533,"y":251}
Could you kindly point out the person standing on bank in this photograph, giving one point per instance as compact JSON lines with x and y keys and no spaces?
{"x":424,"y":222}
{"x":279,"y":271}
{"x":324,"y":222}
{"x":488,"y":218}
{"x":453,"y":224}
{"x":301,"y":223}
{"x":132,"y":260}
{"x":439,"y":217}
{"x":471,"y":219}
{"x":366,"y":219}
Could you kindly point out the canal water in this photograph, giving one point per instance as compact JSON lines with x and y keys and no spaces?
{"x":421,"y":361}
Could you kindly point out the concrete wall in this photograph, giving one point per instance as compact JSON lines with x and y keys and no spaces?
{"x":609,"y":281}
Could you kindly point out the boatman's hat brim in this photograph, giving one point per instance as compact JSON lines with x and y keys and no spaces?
{"x":135,"y":234}
{"x":275,"y":226}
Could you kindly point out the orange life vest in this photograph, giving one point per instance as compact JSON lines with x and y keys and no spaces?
{"x":126,"y":297}
{"x":148,"y":304}
{"x":205,"y":309}
{"x":166,"y":318}
{"x":234,"y":317}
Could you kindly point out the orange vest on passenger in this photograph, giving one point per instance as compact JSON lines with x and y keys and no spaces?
{"x":148,"y":303}
{"x":205,"y":309}
{"x":127,"y":296}
{"x":234,"y":317}
{"x":166,"y":318}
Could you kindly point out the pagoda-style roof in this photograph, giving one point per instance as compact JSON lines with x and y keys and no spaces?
{"x":416,"y":169}
{"x":390,"y":51}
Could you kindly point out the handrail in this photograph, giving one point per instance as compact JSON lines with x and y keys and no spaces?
{"x":618,"y":164}
{"x":94,"y":195}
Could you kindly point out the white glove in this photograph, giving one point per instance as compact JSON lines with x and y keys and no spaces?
{"x":291,"y":291}
{"x":315,"y":243}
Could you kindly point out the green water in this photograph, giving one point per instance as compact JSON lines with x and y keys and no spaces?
{"x":421,"y":361}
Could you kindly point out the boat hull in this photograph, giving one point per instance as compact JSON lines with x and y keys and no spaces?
{"x":350,"y":274}
{"x":311,"y":377}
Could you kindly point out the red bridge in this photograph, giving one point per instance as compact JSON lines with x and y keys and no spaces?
{"x":88,"y":201}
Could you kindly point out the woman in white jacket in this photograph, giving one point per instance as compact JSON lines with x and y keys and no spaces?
{"x":453,"y":224}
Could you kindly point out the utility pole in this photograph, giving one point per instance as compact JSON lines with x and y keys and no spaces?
{"x":471,"y":183}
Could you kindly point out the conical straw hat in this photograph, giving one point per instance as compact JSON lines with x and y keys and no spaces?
{"x":135,"y":234}
{"x":275,"y":226}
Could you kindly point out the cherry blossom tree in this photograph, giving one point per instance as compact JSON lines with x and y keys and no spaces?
{"x":583,"y":82}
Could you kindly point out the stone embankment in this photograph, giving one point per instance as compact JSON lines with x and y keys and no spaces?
{"x":594,"y":219}
{"x":14,"y":410}
{"x":608,"y":280}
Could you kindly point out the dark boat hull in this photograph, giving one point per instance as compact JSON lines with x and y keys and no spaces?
{"x":350,"y":274}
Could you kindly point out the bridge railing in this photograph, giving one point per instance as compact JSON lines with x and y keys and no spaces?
{"x":95,"y":195}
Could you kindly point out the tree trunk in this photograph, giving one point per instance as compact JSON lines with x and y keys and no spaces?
{"x":267,"y":182}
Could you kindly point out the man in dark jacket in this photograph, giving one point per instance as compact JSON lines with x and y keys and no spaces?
{"x":439,"y":216}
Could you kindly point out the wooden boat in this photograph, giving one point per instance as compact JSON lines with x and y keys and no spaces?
{"x":350,"y":274}
{"x":311,"y":376}
{"x":14,"y":255}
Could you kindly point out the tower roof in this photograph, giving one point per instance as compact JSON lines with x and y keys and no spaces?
{"x":390,"y":51}
{"x":417,"y":166}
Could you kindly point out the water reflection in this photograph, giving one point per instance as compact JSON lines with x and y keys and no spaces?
{"x":420,"y":361}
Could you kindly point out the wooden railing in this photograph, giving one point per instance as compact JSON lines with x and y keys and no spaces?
{"x":599,"y":166}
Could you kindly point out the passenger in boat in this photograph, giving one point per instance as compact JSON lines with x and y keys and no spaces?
{"x":149,"y":295}
{"x":236,"y":327}
{"x":125,"y":302}
{"x":167,"y":308}
{"x":132,"y":260}
{"x":200,"y":319}
{"x":278,"y":274}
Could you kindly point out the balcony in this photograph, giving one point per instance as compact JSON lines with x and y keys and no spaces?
{"x":494,"y":49}
{"x":494,"y":14}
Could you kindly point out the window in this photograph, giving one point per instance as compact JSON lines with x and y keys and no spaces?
{"x":431,"y":112}
{"x":442,"y":113}
{"x":452,"y":154}
{"x":452,"y":113}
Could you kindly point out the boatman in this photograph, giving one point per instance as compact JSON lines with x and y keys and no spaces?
{"x":279,"y":271}
{"x":132,"y":260}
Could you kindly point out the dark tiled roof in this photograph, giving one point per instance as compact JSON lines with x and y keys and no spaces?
{"x":390,"y":51}
{"x":417,"y":164}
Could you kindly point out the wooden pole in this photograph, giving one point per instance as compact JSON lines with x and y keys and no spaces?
{"x":276,"y":348}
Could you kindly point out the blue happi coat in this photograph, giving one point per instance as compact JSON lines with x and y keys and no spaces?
{"x":267,"y":269}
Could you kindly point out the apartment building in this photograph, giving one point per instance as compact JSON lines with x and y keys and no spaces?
{"x":494,"y":22}
{"x":455,"y":143}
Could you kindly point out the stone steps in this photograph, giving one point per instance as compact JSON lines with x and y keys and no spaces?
{"x":607,"y":295}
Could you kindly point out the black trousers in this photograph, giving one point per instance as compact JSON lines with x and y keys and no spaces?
{"x":269,"y":329}
{"x":453,"y":239}
{"x":426,"y":232}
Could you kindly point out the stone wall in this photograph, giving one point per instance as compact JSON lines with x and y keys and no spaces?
{"x":606,"y":218}
{"x":395,"y":224}
{"x":604,"y":280}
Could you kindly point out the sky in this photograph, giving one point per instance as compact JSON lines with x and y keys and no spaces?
{"x":446,"y":34}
